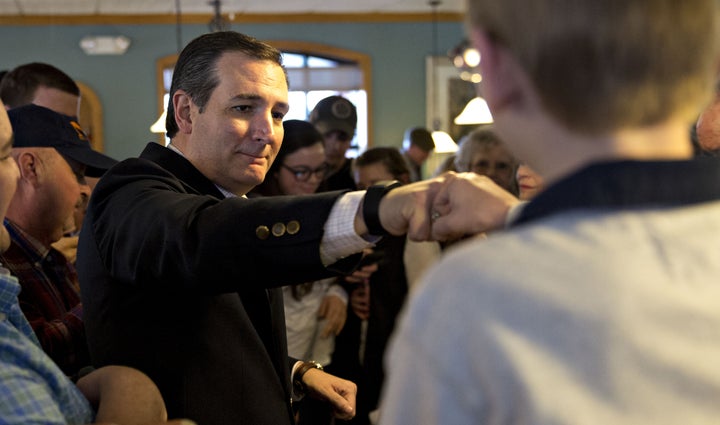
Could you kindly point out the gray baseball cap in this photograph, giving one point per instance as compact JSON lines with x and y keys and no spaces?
{"x":335,"y":113}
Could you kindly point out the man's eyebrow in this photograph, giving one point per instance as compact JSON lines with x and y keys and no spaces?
{"x":246,"y":96}
{"x":253,"y":96}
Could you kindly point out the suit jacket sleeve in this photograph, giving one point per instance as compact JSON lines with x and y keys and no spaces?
{"x":151,"y":227}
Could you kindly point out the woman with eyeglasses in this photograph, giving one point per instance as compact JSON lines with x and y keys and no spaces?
{"x":483,"y":152}
{"x":315,"y":312}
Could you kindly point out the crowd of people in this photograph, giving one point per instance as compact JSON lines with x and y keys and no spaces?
{"x":252,"y":272}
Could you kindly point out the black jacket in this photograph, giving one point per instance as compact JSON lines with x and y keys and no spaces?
{"x":182,"y":284}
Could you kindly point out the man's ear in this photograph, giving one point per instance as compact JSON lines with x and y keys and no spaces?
{"x":502,"y":77}
{"x":181,"y":107}
{"x":30,"y":167}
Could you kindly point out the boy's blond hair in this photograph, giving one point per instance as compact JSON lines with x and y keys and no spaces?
{"x":600,"y":65}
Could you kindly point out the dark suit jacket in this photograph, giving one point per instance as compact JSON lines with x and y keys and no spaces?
{"x":178,"y":282}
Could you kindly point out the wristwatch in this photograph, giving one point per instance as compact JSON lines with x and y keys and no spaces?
{"x":298,"y":384}
{"x":371,"y":206}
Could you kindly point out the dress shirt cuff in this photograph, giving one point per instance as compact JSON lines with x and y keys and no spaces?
{"x":295,"y":396}
{"x":340,"y":239}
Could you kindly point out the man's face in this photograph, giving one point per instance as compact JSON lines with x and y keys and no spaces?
{"x":58,"y":194}
{"x":9,"y":175}
{"x":337,"y":144}
{"x":237,"y":136}
{"x":57,"y":100}
{"x":417,"y":155}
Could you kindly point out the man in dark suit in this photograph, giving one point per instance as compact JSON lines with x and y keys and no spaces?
{"x":180,"y":273}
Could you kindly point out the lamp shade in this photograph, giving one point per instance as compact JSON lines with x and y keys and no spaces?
{"x":443,"y":142}
{"x":159,"y":125}
{"x":475,"y":112}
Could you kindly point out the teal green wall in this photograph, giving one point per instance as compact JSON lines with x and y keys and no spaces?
{"x":127,"y":88}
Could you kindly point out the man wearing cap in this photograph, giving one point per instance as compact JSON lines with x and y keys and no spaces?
{"x":336,"y":118}
{"x":417,"y":145}
{"x":53,"y":156}
{"x":45,"y":85}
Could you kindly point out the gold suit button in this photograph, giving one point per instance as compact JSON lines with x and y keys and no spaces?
{"x":278,"y":229}
{"x":293,"y":227}
{"x":262,"y":232}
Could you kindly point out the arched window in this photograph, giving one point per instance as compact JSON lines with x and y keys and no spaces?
{"x":315,"y":71}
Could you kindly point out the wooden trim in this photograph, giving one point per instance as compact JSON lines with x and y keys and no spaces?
{"x":258,"y":18}
{"x":97,"y":134}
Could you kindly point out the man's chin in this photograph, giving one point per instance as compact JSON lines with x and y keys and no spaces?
{"x":245,"y":183}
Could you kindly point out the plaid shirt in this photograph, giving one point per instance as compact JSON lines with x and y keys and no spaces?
{"x":32,"y":388}
{"x":49,"y":298}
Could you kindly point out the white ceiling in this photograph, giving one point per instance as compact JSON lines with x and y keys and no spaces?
{"x":159,"y":7}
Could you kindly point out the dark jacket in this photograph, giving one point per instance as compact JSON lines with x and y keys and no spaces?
{"x":181,"y":283}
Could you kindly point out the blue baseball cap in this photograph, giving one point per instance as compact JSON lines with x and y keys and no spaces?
{"x":36,"y":126}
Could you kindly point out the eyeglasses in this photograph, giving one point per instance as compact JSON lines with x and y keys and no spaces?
{"x":303,"y":174}
{"x":484,"y":167}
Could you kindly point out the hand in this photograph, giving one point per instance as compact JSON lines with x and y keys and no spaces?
{"x":362,"y":274}
{"x":124,"y":396}
{"x":469,"y":204}
{"x":67,"y":245}
{"x":465,"y":204}
{"x":360,"y":301}
{"x":406,"y":209}
{"x":339,"y":393}
{"x":334,"y":310}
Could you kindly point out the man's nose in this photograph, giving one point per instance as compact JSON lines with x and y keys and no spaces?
{"x":263,"y":126}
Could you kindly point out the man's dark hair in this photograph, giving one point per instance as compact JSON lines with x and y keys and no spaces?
{"x":18,"y":86}
{"x":420,"y":137}
{"x":196,"y":68}
{"x":391,"y":158}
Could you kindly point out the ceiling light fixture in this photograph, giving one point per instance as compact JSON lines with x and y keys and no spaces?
{"x":217,"y":23}
{"x":159,"y":125}
{"x":104,"y":44}
{"x":467,"y":59}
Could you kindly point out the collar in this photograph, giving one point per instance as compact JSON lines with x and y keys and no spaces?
{"x":629,"y":184}
{"x":222,"y":190}
{"x":35,"y":250}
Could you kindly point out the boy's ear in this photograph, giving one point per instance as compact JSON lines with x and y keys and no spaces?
{"x":503,"y":79}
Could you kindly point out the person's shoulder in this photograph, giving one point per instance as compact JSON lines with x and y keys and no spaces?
{"x":9,"y":289}
{"x":481,"y":273}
